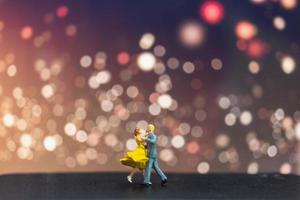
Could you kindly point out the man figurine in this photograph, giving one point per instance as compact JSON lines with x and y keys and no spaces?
{"x":151,"y":140}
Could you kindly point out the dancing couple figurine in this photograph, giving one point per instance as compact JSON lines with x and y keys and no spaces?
{"x":144,"y":157}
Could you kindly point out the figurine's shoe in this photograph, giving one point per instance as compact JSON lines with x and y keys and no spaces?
{"x":129,"y":179}
{"x":147,"y":184}
{"x":164,"y":182}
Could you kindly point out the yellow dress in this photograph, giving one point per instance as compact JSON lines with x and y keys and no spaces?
{"x":137,"y":158}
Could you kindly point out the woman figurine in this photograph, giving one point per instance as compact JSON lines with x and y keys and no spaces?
{"x":136,"y":159}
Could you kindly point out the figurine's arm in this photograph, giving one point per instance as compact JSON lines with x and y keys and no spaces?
{"x":143,"y":137}
{"x":151,"y":140}
{"x":139,"y":138}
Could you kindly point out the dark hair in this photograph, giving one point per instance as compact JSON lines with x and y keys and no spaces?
{"x":136,"y":131}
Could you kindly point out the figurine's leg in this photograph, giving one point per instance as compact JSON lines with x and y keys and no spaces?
{"x":133,"y":171}
{"x":158,"y":171}
{"x":148,"y":170}
{"x":129,"y":177}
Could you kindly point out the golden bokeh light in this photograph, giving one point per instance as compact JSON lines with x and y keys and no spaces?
{"x":288,"y":64}
{"x":9,"y":120}
{"x":147,"y":41}
{"x":191,"y":34}
{"x":146,"y":61}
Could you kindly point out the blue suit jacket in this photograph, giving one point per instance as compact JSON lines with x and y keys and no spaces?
{"x":151,"y":145}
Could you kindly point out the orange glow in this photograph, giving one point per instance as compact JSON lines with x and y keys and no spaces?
{"x":256,"y":49}
{"x":289,"y":4}
{"x":192,"y":147}
{"x":245,"y":30}
{"x":153,"y":97}
{"x":26,"y":32}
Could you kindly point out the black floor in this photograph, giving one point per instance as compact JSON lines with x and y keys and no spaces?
{"x":180,"y":186}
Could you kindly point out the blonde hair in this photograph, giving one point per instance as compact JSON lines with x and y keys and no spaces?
{"x":151,"y":127}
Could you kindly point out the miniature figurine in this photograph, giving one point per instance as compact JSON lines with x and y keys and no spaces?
{"x":136,"y":159}
{"x":151,"y":140}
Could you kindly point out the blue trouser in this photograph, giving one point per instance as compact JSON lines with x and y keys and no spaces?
{"x":152,"y":162}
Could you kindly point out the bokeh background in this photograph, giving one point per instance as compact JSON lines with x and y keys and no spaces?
{"x":219,"y":79}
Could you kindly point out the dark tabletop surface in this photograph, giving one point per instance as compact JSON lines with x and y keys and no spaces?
{"x":180,"y":186}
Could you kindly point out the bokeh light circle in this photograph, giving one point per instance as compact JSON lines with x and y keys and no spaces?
{"x":203,"y":168}
{"x":288,"y":64}
{"x":245,"y":30}
{"x":146,"y":61}
{"x":191,"y":34}
{"x":212,"y":11}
